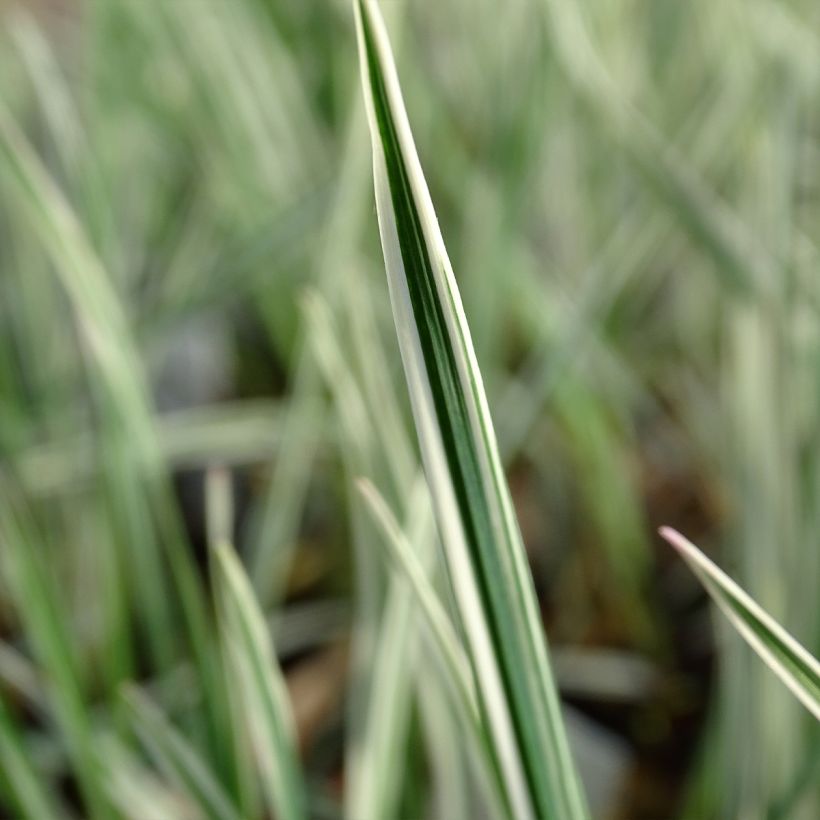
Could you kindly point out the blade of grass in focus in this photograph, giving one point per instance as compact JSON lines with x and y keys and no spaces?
{"x":485,"y":556}
{"x":790,"y":661}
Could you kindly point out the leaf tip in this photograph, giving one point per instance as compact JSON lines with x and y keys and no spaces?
{"x":673,"y":538}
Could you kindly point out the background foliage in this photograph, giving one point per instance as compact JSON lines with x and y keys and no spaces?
{"x":196,"y":347}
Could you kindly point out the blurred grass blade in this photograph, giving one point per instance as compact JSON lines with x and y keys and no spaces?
{"x":263,"y":689}
{"x":176,"y":758}
{"x":485,"y":556}
{"x":138,"y":792}
{"x":737,"y":252}
{"x":454,"y":661}
{"x":119,"y":383}
{"x":47,"y":629}
{"x":402,"y":555}
{"x":790,"y":661}
{"x":28,"y":793}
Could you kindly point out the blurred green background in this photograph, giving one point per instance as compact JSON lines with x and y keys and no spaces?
{"x":195,"y":338}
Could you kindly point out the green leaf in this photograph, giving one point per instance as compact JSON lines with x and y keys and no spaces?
{"x":486,"y":560}
{"x":263,"y":690}
{"x":790,"y":661}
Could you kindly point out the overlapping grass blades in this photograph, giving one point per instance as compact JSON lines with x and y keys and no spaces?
{"x":484,"y":553}
{"x":19,"y":779}
{"x":37,"y":605}
{"x":177,"y":759}
{"x":790,"y":661}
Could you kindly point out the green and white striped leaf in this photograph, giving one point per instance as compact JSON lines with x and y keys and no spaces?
{"x":262,"y":690}
{"x":790,"y":661}
{"x":484,"y":553}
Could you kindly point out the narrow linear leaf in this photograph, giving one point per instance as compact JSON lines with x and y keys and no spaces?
{"x":176,"y":758}
{"x":263,"y":690}
{"x":484,"y":554}
{"x":790,"y":661}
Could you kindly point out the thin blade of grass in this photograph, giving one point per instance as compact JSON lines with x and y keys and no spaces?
{"x":482,"y":544}
{"x":790,"y":661}
{"x":219,"y":528}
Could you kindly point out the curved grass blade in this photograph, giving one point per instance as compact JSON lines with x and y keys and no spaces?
{"x":790,"y":661}
{"x":176,"y":758}
{"x":263,"y":689}
{"x":484,"y":554}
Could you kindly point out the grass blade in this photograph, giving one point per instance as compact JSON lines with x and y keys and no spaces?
{"x":176,"y":758}
{"x":460,"y":685}
{"x":790,"y":661}
{"x":45,"y":626}
{"x":404,"y":557}
{"x":482,"y":543}
{"x":263,"y":689}
{"x":138,"y":792}
{"x":29,"y":795}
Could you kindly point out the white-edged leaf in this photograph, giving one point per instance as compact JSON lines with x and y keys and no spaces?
{"x":790,"y":661}
{"x":486,"y":560}
{"x":262,"y":687}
